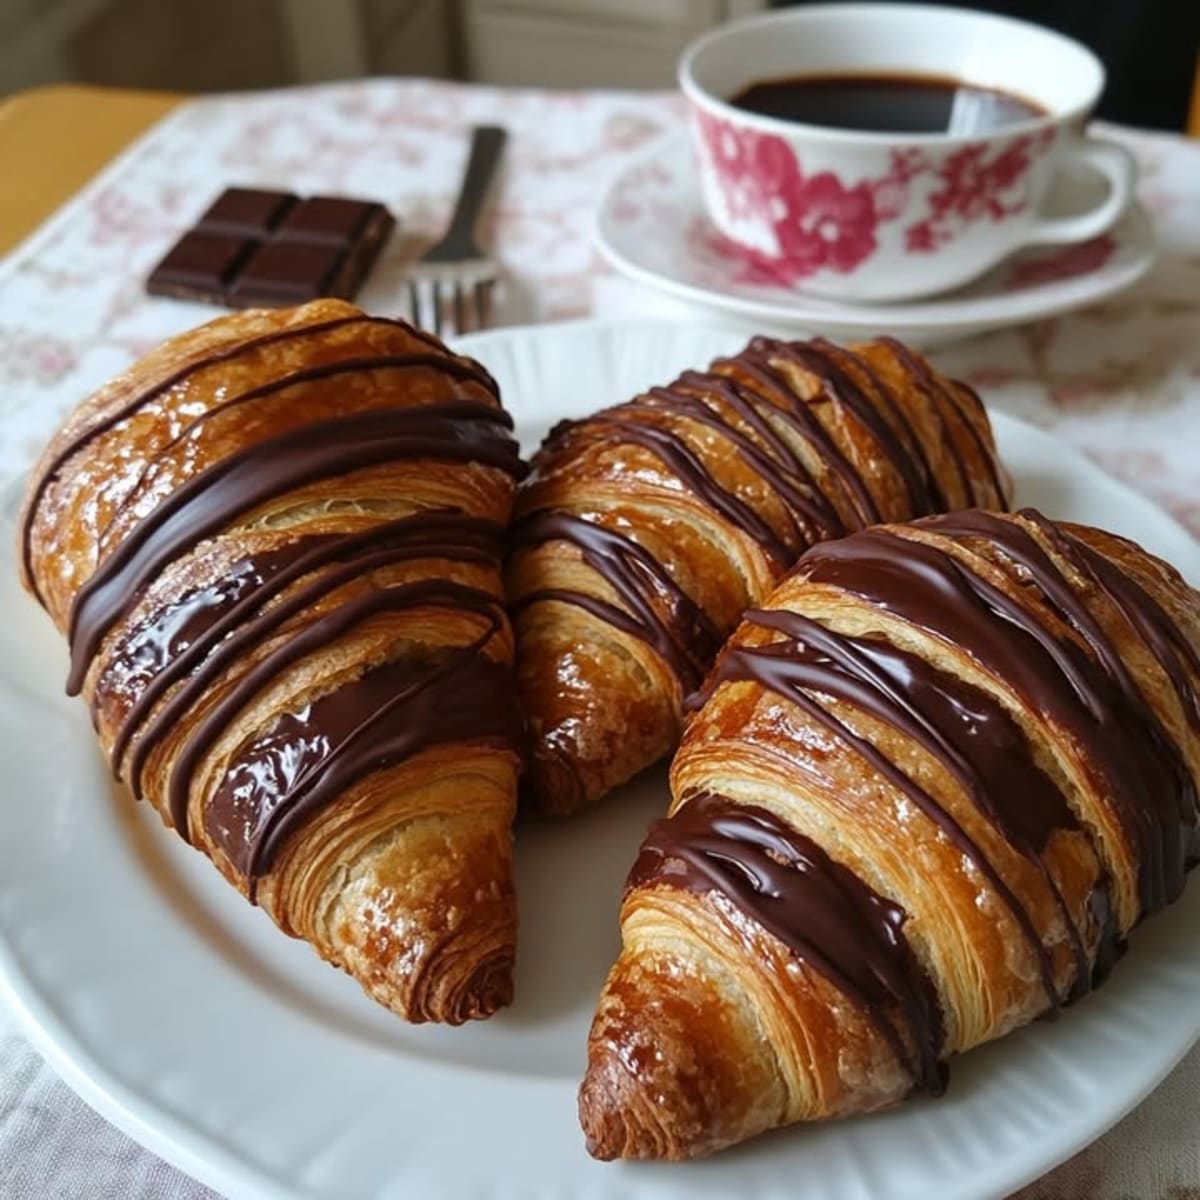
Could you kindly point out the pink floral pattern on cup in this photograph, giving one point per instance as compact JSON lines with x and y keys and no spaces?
{"x":971,"y":186}
{"x":818,"y":221}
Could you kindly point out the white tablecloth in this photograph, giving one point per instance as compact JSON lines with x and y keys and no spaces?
{"x":1120,"y":381}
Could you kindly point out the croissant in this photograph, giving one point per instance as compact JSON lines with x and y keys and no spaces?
{"x":936,"y":780}
{"x":645,"y":530}
{"x":275,"y":547}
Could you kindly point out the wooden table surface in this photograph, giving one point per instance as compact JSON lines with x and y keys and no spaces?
{"x":54,"y":139}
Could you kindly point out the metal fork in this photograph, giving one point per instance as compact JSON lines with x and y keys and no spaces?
{"x":456,"y":273}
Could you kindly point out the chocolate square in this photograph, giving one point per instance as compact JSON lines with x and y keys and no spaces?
{"x":199,"y":265}
{"x":247,"y":211}
{"x":280,"y":273}
{"x":256,"y":246}
{"x":332,"y":219}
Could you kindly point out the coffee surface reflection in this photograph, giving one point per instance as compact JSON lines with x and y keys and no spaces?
{"x":886,"y":103}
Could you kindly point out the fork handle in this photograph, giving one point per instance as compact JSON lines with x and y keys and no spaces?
{"x":487,"y":141}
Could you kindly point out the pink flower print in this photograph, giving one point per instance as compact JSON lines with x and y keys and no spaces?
{"x":753,"y":169}
{"x":890,"y":193}
{"x":828,"y":225}
{"x":972,"y":187}
{"x":817,"y":222}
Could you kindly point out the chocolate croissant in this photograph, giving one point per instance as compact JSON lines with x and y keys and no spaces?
{"x":645,"y":531}
{"x":275,"y":547}
{"x":937,"y":779}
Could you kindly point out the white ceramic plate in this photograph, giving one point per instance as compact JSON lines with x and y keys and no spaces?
{"x":651,"y":225}
{"x":182,"y":1014}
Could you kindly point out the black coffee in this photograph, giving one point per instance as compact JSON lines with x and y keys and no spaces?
{"x":886,"y":103}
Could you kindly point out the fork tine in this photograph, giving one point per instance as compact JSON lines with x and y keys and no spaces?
{"x":483,"y":303}
{"x":460,"y":308}
{"x":453,"y":300}
{"x":414,"y":303}
{"x":438,"y":294}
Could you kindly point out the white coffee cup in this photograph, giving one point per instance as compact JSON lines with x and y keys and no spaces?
{"x":888,"y":216}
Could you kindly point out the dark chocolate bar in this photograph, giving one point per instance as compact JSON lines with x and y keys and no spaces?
{"x":247,"y":211}
{"x":255,"y":248}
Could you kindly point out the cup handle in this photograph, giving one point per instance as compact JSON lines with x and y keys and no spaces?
{"x":1117,"y":165}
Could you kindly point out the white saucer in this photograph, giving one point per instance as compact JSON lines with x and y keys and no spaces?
{"x":651,"y":225}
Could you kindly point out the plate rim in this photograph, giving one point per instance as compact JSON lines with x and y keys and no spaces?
{"x":206,"y":1158}
{"x":901,"y":316}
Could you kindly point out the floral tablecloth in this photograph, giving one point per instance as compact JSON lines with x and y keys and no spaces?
{"x":1120,"y":381}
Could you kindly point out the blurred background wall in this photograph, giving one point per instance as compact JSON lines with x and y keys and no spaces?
{"x":1149,"y":46}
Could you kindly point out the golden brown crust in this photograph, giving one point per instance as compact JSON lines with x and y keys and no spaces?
{"x":722,"y":480}
{"x":752,"y":1031}
{"x":380,"y":566}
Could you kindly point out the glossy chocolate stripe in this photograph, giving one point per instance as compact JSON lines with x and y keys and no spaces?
{"x":1163,"y":792}
{"x":629,"y":425}
{"x":940,"y":399}
{"x":949,"y":392}
{"x":969,"y":733}
{"x":1169,"y":647}
{"x":148,"y":656}
{"x":610,"y":614}
{"x":932,"y":590}
{"x":821,"y":910}
{"x":913,"y":448}
{"x":745,"y":403}
{"x":436,"y":534}
{"x":315,"y":637}
{"x":307,"y":759}
{"x":226,"y":352}
{"x":785,"y":669}
{"x":796,"y":412}
{"x":817,"y":358}
{"x":243,"y":641}
{"x":686,"y":640}
{"x":211,"y":499}
{"x":1164,"y":638}
{"x":458,"y":370}
{"x":778,"y":466}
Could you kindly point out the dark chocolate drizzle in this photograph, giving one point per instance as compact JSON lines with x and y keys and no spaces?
{"x":211,"y":499}
{"x":827,"y":363}
{"x":800,"y":418}
{"x":749,"y":401}
{"x":633,"y":429}
{"x":935,"y":384}
{"x":1160,"y":633}
{"x":821,"y":910}
{"x":745,"y":853}
{"x":188,"y":643}
{"x":969,"y":732}
{"x":223,"y":624}
{"x":1091,"y":695}
{"x":148,"y":656}
{"x":778,"y":465}
{"x":455,"y":369}
{"x":922,"y":480}
{"x":308,"y":758}
{"x":313,"y":638}
{"x":683,"y":637}
{"x":952,"y":721}
{"x":226,"y":352}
